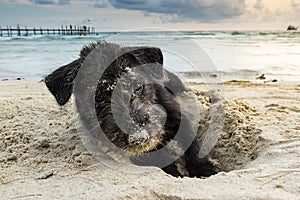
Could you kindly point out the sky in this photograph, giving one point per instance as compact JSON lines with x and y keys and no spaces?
{"x":119,"y":15}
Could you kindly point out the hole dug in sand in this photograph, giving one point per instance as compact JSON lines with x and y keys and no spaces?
{"x":30,"y":146}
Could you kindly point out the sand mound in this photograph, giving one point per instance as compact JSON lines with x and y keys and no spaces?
{"x":41,"y":136}
{"x":239,"y":142}
{"x":229,"y":122}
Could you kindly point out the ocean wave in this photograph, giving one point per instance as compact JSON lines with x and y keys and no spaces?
{"x":238,"y":33}
{"x":157,"y":34}
{"x":216,"y":73}
{"x":49,"y":38}
{"x":197,"y":33}
{"x":234,"y":52}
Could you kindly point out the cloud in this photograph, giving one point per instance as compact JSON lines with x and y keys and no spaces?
{"x":196,"y":10}
{"x":50,"y":2}
{"x":295,"y":16}
{"x":43,"y":2}
{"x":102,"y":4}
{"x":170,"y":10}
{"x":169,"y":18}
{"x":63,"y":2}
{"x":295,"y":5}
{"x":259,"y":5}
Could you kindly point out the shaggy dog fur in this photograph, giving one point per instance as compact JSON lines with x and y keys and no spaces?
{"x":153,"y":109}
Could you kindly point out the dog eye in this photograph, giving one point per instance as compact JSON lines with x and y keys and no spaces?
{"x":139,"y":89}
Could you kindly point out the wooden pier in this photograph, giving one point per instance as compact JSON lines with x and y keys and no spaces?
{"x":64,"y":30}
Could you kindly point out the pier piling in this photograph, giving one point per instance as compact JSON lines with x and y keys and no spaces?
{"x":64,"y":30}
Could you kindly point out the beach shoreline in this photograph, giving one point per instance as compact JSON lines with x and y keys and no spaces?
{"x":42,"y":156}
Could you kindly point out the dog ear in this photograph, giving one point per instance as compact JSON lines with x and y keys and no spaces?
{"x":150,"y":57}
{"x":147,"y":55}
{"x":60,"y":82}
{"x":154,"y":57}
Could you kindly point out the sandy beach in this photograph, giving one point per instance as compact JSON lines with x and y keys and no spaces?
{"x":43,"y":157}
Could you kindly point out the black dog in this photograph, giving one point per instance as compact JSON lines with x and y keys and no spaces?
{"x":132,"y":89}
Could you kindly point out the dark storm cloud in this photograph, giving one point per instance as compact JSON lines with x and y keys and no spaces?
{"x":50,"y":2}
{"x":198,"y":10}
{"x":172,"y":10}
{"x":43,"y":2}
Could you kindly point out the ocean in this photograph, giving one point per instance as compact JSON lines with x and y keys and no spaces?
{"x":195,"y":55}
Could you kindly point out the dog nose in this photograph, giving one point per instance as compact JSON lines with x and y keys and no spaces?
{"x":140,"y":117}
